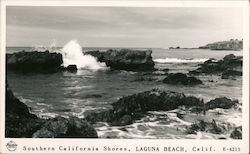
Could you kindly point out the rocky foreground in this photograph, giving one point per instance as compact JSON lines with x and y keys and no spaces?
{"x":130,"y":108}
{"x":20,"y":123}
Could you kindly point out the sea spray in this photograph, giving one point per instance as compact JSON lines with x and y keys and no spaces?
{"x":52,"y":47}
{"x":73,"y":55}
{"x":176,"y":60}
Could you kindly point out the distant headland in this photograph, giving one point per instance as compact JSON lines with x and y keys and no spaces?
{"x":232,"y":44}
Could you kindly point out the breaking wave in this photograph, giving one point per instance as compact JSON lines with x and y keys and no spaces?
{"x":73,"y":55}
{"x":177,"y":60}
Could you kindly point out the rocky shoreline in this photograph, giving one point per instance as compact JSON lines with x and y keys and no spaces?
{"x":47,"y":62}
{"x":21,"y":123}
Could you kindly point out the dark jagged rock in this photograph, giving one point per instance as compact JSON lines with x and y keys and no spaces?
{"x":124,"y":120}
{"x":236,"y":133}
{"x":227,"y":65}
{"x":230,"y":74}
{"x":127,"y":59}
{"x":204,"y":126}
{"x":17,"y":126}
{"x":97,"y":54}
{"x":71,"y":68}
{"x":130,"y":108}
{"x":221,"y":102}
{"x":165,"y":70}
{"x":142,"y":78}
{"x":232,"y":59}
{"x":15,"y":106}
{"x":44,"y":62}
{"x":67,"y":128}
{"x":180,"y":78}
{"x":102,"y":115}
{"x":20,"y":122}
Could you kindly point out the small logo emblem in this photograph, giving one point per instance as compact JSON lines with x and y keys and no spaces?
{"x":11,"y":146}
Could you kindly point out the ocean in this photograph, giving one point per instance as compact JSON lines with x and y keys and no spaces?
{"x":87,"y":90}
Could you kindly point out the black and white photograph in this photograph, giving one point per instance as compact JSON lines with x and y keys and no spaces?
{"x":105,"y":72}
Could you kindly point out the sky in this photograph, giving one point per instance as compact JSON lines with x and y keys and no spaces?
{"x":149,"y":27}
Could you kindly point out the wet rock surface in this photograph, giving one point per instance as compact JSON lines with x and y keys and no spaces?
{"x":180,"y":78}
{"x":43,"y":62}
{"x":236,"y":133}
{"x":100,"y":56}
{"x":230,"y":74}
{"x":222,"y":102}
{"x":71,"y":68}
{"x":128,"y":59}
{"x":230,"y":65}
{"x":60,"y":127}
{"x":130,"y":108}
{"x":205,"y":126}
{"x":21,"y":123}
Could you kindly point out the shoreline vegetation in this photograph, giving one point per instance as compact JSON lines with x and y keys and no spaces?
{"x":21,"y":123}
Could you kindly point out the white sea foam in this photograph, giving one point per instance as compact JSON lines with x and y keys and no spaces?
{"x":177,"y":60}
{"x":73,"y":55}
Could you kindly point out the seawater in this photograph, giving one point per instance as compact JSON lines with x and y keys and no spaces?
{"x":66,"y":94}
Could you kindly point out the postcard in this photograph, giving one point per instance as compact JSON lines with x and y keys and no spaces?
{"x":124,"y":76}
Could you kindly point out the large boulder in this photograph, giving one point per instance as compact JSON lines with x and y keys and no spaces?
{"x":180,"y":78}
{"x":71,"y":68}
{"x":129,"y":108}
{"x":222,"y":102}
{"x":34,"y":61}
{"x":67,"y":128}
{"x":128,"y":59}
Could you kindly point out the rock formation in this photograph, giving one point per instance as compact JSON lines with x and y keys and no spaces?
{"x":130,"y":108}
{"x":222,"y":102}
{"x":180,"y":78}
{"x":126,"y":59}
{"x":230,"y":65}
{"x":34,"y":61}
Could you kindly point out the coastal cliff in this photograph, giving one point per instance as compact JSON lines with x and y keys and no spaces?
{"x":225,"y":45}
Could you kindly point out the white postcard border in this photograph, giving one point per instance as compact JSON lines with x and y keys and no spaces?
{"x":217,"y":145}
